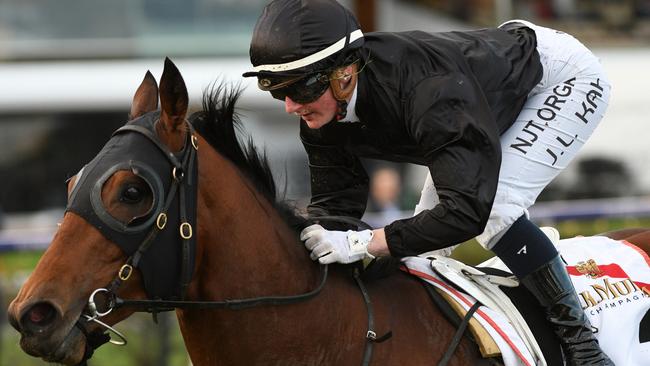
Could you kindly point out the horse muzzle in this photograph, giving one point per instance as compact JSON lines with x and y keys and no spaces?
{"x":46,"y":333}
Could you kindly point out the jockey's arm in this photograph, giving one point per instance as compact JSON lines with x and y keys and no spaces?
{"x":459,"y":139}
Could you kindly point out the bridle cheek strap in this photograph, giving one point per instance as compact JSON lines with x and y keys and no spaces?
{"x":184,"y":182}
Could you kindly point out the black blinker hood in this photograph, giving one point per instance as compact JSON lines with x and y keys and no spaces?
{"x":167,"y":267}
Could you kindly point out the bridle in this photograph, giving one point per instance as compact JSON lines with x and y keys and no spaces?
{"x":184,"y":178}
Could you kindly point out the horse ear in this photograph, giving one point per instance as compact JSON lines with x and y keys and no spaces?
{"x":145,"y":98}
{"x":173,"y":97}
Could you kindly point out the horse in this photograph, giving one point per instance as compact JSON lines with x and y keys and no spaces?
{"x":242,"y":284}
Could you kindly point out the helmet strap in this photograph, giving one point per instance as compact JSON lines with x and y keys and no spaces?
{"x":341,"y":109}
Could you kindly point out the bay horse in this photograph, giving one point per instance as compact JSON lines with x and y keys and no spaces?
{"x":231,"y":244}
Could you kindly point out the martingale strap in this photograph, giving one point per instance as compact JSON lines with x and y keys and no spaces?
{"x":371,"y":335}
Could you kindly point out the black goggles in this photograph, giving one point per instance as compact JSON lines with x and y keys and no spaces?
{"x":302,"y":89}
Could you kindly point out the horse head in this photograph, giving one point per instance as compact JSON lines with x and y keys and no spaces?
{"x":114,"y":204}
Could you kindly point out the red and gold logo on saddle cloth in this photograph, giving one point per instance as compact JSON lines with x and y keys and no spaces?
{"x":589,"y":269}
{"x":613,"y":283}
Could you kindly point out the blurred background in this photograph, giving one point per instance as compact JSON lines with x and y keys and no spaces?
{"x":69,"y":68}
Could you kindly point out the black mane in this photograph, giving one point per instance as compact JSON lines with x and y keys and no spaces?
{"x":218,"y":123}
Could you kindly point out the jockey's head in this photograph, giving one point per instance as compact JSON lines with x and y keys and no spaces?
{"x":300,"y":46}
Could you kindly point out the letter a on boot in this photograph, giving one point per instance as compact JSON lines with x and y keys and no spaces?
{"x":552,"y":287}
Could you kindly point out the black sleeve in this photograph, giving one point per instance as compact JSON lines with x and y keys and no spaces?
{"x":451,"y":121}
{"x":339,"y":182}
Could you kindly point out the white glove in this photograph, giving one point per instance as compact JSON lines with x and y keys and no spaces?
{"x":336,"y":246}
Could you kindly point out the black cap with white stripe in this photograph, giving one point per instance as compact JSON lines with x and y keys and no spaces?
{"x":291,"y":37}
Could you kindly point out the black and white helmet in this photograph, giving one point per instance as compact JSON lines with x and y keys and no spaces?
{"x":296,"y":37}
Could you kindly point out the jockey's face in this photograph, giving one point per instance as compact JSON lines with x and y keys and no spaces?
{"x":317,"y":113}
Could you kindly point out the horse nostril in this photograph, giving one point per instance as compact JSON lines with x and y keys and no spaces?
{"x":38,"y":317}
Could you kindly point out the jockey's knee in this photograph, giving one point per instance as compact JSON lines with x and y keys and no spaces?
{"x":502,"y":217}
{"x":523,"y":247}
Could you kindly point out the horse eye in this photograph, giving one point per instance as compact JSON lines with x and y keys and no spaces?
{"x":131,"y":194}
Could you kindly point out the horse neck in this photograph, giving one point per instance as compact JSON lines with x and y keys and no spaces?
{"x":245,"y":248}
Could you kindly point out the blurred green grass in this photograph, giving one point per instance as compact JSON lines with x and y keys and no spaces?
{"x":12,"y":262}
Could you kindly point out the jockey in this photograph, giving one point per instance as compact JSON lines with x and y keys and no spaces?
{"x":495,"y":114}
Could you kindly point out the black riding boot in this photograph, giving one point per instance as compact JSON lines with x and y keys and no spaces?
{"x":551,"y":285}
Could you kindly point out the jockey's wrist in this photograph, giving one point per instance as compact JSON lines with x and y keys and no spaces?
{"x":378,"y":246}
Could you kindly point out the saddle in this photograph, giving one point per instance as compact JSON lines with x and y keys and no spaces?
{"x":508,"y":323}
{"x":528,"y":339}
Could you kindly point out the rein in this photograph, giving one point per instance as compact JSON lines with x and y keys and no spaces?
{"x":235,"y":304}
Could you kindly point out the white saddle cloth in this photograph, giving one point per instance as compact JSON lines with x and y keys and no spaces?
{"x":609,"y":277}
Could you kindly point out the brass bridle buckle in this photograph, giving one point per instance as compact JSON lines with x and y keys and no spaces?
{"x":186,"y":230}
{"x":125,"y":272}
{"x":161,"y":221}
